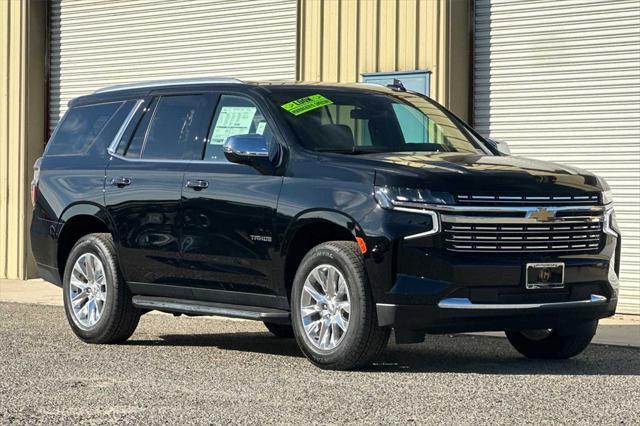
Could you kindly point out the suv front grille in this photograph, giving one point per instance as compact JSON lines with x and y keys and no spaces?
{"x":574,"y":236}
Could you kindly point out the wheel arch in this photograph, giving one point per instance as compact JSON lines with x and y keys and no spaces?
{"x":75,"y":222}
{"x":309,"y":229}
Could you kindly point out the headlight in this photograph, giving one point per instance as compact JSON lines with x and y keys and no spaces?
{"x":409,"y":200}
{"x":389,"y":196}
{"x":607,"y":197}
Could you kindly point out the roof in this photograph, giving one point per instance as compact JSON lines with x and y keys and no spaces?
{"x":223,"y":80}
{"x":120,"y":91}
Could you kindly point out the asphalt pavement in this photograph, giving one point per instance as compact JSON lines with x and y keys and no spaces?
{"x":204,"y":370}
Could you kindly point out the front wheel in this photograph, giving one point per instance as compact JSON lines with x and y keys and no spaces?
{"x":552,"y":344}
{"x":333,"y":313}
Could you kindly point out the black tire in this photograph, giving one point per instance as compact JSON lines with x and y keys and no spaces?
{"x":119,"y":318}
{"x":363,"y":340}
{"x":555,"y":345}
{"x":284,"y":331}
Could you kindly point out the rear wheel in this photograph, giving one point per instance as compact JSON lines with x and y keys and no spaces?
{"x":284,"y":331}
{"x":97,"y":301}
{"x":333,"y":313}
{"x":552,"y":344}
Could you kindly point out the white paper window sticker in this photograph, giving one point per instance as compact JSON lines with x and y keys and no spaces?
{"x":232,"y":120}
{"x":260,"y":128}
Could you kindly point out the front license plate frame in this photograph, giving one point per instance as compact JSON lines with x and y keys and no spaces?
{"x":544,"y":275}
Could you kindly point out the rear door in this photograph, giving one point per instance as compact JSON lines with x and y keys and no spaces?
{"x":228,"y":240}
{"x":143,"y":185}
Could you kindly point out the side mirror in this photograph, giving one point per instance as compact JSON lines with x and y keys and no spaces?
{"x":500,"y":146}
{"x":245,"y":149}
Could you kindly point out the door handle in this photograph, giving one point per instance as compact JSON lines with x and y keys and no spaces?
{"x":121,"y":182}
{"x":197,"y":184}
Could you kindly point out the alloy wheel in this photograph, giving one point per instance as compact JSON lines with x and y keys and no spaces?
{"x":87,"y":290}
{"x":325,"y":307}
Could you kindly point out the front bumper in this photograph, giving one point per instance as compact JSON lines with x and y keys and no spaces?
{"x":433,"y":289}
{"x":456,"y":315}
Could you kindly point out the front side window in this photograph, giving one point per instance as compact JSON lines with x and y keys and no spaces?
{"x":176,"y":130}
{"x":351,"y":121}
{"x":235,"y":115}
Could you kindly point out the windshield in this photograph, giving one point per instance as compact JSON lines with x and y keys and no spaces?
{"x":349,"y":121}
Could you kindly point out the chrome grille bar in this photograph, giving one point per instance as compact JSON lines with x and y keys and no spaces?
{"x":529,"y":199}
{"x":498,"y":234}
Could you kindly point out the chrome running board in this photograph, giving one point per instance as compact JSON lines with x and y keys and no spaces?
{"x":193,"y":307}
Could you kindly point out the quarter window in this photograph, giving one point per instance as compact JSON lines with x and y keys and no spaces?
{"x":178,"y":127}
{"x":235,"y":115}
{"x":83,"y":126}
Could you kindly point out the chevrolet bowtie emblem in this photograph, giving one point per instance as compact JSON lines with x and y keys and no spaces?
{"x":542,"y":215}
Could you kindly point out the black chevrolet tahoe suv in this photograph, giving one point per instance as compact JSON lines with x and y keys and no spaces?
{"x":333,"y":213}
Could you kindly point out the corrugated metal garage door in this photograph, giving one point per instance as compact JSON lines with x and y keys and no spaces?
{"x":560,"y":81}
{"x":98,"y":43}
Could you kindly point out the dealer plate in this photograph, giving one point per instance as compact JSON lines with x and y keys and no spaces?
{"x":545,"y":275}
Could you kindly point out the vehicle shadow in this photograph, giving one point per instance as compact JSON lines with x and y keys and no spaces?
{"x":258,"y":342}
{"x":438,"y":354}
{"x":494,"y":355}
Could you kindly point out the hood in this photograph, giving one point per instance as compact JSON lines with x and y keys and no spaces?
{"x":471,"y":173}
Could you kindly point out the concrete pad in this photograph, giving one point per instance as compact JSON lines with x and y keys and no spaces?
{"x":36,"y":291}
{"x":620,"y":330}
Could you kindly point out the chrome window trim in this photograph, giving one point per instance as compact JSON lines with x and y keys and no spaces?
{"x":464,"y":303}
{"x":149,"y":160}
{"x":116,"y":140}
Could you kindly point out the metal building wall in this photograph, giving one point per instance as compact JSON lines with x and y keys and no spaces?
{"x":560,"y":81}
{"x":22,"y":94}
{"x":339,"y":40}
{"x":96,"y":43}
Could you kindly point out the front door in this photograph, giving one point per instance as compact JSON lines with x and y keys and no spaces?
{"x":143,"y":186}
{"x":228,"y":214}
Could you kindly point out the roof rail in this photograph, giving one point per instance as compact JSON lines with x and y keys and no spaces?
{"x":174,"y":82}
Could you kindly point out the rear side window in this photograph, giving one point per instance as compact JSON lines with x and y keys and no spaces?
{"x":88,"y":129}
{"x":178,"y":127}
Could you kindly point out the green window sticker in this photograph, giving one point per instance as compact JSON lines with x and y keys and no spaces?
{"x":302,"y":105}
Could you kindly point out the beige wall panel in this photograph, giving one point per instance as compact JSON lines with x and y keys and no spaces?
{"x":459,"y":66}
{"x":348,"y":40}
{"x":339,"y":40}
{"x":424,"y":24}
{"x":22,"y":26}
{"x":331,"y":18}
{"x":407,"y":35}
{"x":4,"y":137}
{"x":367,"y":42}
{"x":387,"y":35}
